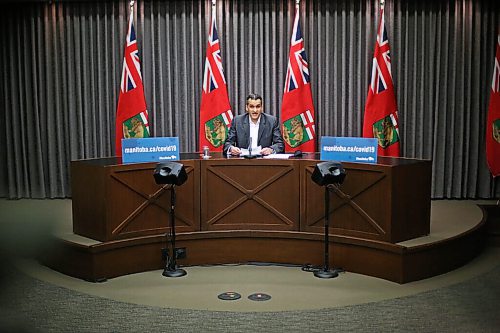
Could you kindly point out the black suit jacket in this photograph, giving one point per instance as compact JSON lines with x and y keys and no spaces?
{"x":269,"y":133}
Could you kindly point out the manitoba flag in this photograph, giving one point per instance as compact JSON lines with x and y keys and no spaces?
{"x":493,"y":124}
{"x":297,"y":109}
{"x":215,"y":110}
{"x":381,"y":117}
{"x":131,"y":113}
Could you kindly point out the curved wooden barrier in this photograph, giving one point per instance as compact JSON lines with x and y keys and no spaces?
{"x":237,"y":211}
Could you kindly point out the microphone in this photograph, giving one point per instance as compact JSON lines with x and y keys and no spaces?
{"x":297,"y":153}
{"x":250,"y":151}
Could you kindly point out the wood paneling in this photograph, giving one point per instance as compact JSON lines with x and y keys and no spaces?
{"x":389,"y":201}
{"x":116,"y":201}
{"x":250,"y":195}
{"x":384,"y":260}
{"x":238,"y":210}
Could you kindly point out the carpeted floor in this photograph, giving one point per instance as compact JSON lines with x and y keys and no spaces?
{"x":35,"y":299}
{"x":30,"y":305}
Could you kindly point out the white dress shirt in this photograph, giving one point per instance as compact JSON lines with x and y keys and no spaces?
{"x":254,"y":132}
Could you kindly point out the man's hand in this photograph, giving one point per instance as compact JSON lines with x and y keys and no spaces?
{"x":235,"y":151}
{"x":266,"y":151}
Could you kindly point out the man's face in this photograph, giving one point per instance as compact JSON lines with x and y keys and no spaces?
{"x":254,"y":109}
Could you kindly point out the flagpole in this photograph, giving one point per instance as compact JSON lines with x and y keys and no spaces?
{"x":214,"y":10}
{"x":131,"y":5}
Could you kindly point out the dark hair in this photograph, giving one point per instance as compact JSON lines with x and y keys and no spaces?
{"x":253,"y":96}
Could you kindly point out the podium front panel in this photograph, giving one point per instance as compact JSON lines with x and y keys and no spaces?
{"x":258,"y":194}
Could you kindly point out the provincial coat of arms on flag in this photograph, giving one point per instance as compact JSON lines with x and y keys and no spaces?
{"x":216,"y":130}
{"x":496,"y":130}
{"x":296,"y":131}
{"x":385,"y":131}
{"x":136,"y":127}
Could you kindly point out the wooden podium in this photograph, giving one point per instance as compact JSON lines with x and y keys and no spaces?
{"x":234,"y":210}
{"x":388,"y":201}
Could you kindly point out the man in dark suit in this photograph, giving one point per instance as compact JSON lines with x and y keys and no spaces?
{"x":263,"y":129}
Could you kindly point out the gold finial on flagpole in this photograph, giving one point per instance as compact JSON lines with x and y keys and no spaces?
{"x":132,"y":2}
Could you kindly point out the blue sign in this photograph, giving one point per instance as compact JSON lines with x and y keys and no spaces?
{"x":150,"y":150}
{"x":362,"y":150}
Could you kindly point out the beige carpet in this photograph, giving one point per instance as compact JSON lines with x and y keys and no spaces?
{"x":289,"y":287}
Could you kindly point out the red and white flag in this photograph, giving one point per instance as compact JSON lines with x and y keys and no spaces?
{"x":297,"y":109}
{"x":493,"y":124}
{"x":215,"y":110}
{"x":381,"y":115}
{"x":131,"y":113}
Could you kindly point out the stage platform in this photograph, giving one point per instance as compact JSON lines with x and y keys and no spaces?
{"x":458,"y":232}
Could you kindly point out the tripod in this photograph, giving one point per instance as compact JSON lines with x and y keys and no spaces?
{"x":171,"y":269}
{"x":325,"y":272}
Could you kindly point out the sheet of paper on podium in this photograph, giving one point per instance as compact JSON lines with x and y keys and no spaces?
{"x":246,"y":152}
{"x":279,"y":156}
